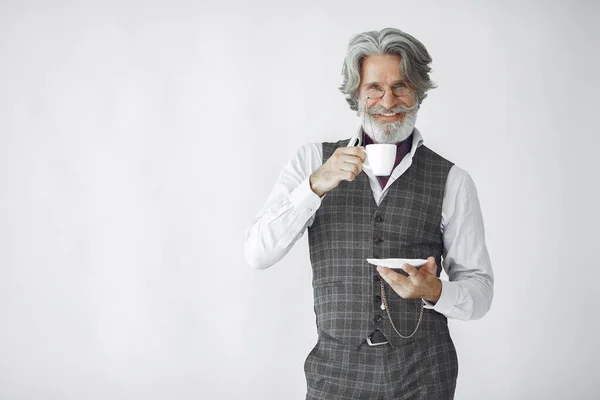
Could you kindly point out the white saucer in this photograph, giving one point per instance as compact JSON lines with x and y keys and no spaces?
{"x":396,"y":262}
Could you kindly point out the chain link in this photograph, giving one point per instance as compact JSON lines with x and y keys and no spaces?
{"x":387,"y":310}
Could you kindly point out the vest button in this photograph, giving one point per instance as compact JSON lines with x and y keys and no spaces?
{"x":377,"y":299}
{"x":376,"y":278}
{"x":379,"y":219}
{"x":378,"y":239}
{"x":378,"y":318}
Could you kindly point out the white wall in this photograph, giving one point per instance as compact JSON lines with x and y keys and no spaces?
{"x":137,"y":141}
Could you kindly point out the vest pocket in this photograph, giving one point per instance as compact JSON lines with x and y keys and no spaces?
{"x":327,"y":297}
{"x":326,"y":283}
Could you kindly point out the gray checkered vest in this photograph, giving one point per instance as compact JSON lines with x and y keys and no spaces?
{"x":349,"y":227}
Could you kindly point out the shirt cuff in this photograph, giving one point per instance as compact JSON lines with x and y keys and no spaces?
{"x":304,"y":198}
{"x":447,"y":299}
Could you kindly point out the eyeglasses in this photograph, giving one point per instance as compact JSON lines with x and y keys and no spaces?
{"x":376,"y":92}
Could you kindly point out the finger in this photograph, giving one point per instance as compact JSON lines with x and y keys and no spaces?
{"x":351,"y":167}
{"x":409,"y":269}
{"x":353,"y":163}
{"x":348,"y":159}
{"x":346,"y":175}
{"x":390,"y":276}
{"x":430,"y":266}
{"x":358,"y":152}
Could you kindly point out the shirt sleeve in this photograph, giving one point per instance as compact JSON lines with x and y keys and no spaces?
{"x":288,"y":211}
{"x":468,"y":293}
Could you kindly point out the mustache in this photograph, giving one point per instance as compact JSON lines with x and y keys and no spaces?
{"x":400,"y":109}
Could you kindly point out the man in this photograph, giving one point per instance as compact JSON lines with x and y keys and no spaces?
{"x":381,"y":340}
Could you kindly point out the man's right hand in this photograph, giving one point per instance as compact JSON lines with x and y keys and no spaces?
{"x":344,"y":165}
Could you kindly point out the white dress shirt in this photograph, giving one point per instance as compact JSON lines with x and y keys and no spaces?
{"x":290,"y":209}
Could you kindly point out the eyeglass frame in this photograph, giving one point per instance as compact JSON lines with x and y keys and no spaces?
{"x":401,"y":85}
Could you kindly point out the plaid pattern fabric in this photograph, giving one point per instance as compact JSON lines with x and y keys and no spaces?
{"x":402,"y":149}
{"x":425,"y":369}
{"x":349,"y":227}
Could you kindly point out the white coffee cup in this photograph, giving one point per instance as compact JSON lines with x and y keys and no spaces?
{"x":381,"y":158}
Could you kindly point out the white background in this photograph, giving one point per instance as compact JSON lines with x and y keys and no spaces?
{"x":138,"y":140}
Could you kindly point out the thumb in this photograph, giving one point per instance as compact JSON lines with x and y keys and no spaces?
{"x":430,"y":266}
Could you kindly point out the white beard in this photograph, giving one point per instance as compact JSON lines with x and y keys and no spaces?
{"x":388,"y":132}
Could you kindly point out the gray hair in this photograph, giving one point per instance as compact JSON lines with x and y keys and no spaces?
{"x":414,"y":61}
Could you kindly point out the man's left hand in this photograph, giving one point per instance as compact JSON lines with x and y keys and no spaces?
{"x":419,"y":284}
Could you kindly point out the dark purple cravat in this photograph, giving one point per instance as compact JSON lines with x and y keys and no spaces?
{"x":402,"y":149}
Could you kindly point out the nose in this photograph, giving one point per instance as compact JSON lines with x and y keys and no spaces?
{"x":388,"y":100}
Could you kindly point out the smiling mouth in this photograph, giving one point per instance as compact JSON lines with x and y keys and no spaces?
{"x":391,"y":116}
